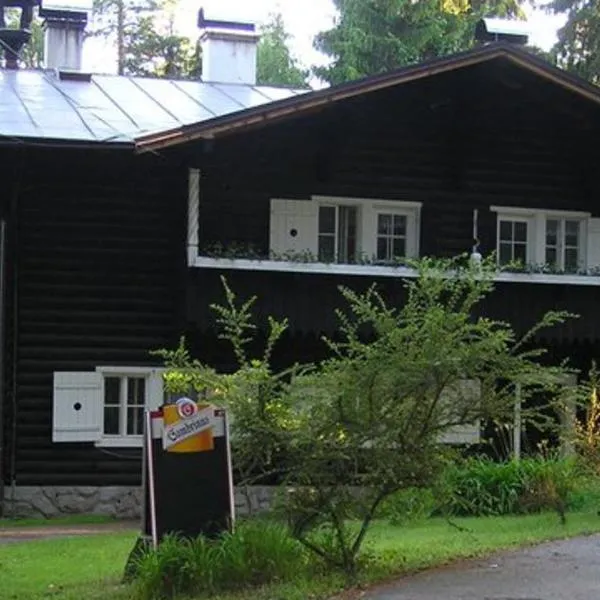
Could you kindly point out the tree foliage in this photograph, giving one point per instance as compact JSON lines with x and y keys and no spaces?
{"x":375,"y":36}
{"x":578,"y":45}
{"x":346,"y":434}
{"x":148,"y":46}
{"x":257,"y":398}
{"x":156,"y":51}
{"x":374,"y":414}
{"x":146,"y":42}
{"x":276,"y":65}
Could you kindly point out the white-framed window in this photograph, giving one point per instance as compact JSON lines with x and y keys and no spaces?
{"x":512,"y":240}
{"x":564,"y":243}
{"x":338,"y":232}
{"x":552,"y":238}
{"x":343,"y":230}
{"x":105,"y":406}
{"x":392,"y":236}
{"x":124,"y":404}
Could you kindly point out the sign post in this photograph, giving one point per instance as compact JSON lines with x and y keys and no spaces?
{"x":187,"y":478}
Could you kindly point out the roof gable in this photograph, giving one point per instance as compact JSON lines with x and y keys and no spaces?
{"x":294,"y":106}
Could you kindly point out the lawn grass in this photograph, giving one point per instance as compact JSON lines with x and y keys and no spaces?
{"x":90,"y":567}
{"x":67,"y":521}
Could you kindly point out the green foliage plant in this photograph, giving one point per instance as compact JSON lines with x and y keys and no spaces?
{"x":374,"y":414}
{"x":258,"y":552}
{"x":257,"y":399}
{"x":484,"y":487}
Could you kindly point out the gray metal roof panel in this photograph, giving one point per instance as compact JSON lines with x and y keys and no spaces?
{"x":37,"y":104}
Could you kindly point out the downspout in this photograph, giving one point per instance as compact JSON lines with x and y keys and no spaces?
{"x":2,"y":357}
{"x":14,"y":210}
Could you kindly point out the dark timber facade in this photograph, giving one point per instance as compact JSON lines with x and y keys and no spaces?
{"x":97,"y":264}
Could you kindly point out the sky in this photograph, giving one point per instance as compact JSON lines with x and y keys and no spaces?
{"x":303,"y":19}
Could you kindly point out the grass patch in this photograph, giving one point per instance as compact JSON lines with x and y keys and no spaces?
{"x":68,"y":521}
{"x":91,"y":566}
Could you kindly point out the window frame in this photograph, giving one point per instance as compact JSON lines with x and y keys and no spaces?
{"x":151,"y":375}
{"x":367,"y":219}
{"x":516,"y":218}
{"x":336,"y":229}
{"x":561,"y":245}
{"x":536,"y":232}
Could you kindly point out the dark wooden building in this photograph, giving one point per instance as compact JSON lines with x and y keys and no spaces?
{"x":115,"y":236}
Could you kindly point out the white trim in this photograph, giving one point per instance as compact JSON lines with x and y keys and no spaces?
{"x":551,"y":278}
{"x":244,"y":264}
{"x":367,"y":220}
{"x":317,"y":268}
{"x":149,"y":373}
{"x":376,"y":202}
{"x":116,"y":441}
{"x":124,"y":370}
{"x":519,"y":210}
{"x":536,"y":220}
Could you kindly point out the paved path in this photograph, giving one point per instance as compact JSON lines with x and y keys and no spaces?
{"x":565,"y":570}
{"x":27,"y":533}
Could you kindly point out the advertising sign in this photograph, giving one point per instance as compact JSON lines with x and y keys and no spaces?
{"x":188,"y":427}
{"x":188,"y":485}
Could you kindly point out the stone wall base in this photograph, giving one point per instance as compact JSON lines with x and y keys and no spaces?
{"x":121,"y":502}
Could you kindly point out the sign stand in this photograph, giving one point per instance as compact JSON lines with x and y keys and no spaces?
{"x":187,"y":478}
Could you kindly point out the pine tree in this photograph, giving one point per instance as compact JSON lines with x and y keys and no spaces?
{"x":375,"y":36}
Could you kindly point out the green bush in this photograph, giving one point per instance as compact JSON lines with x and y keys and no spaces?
{"x":482,"y":487}
{"x":409,"y":505}
{"x":256,"y":553}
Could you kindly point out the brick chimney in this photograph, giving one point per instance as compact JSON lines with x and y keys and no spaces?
{"x":63,"y":38}
{"x":229,"y":50}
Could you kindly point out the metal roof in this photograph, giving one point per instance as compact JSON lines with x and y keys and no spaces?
{"x":108,"y":108}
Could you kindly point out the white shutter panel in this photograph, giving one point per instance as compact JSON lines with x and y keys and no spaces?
{"x":466,"y":390}
{"x":155,"y":390}
{"x":78,"y":404}
{"x":593,"y":244}
{"x":293,"y":226}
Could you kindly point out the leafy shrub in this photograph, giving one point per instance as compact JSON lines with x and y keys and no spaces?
{"x":259,"y":552}
{"x":168,"y":571}
{"x":256,"y":553}
{"x":482,"y":487}
{"x":411,"y":504}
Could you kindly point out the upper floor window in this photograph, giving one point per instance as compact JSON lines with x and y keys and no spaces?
{"x":554,"y":239}
{"x":392,"y":231}
{"x":512,"y":240}
{"x":563,"y":243}
{"x":338,"y":233}
{"x":345,"y":230}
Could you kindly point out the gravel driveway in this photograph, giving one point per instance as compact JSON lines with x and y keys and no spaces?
{"x":564,"y":570}
{"x":26,"y":533}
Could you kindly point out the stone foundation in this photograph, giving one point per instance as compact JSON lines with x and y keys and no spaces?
{"x":114,"y":501}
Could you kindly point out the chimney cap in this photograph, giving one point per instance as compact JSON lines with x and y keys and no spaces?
{"x":502,"y":30}
{"x":67,"y":6}
{"x":67,"y":17}
{"x":222,"y":25}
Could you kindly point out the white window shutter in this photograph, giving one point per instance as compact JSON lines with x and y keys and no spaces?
{"x":77,"y":407}
{"x":293,"y":226}
{"x":593,"y":244}
{"x":155,"y":395}
{"x":468,"y":433}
